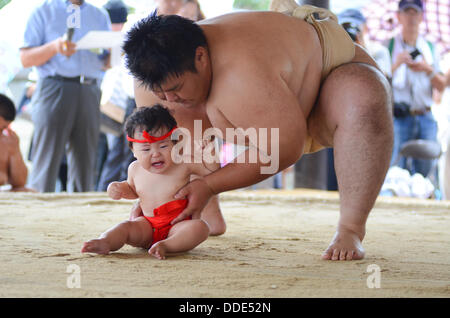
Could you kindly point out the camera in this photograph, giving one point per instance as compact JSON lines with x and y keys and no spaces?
{"x":352,"y":30}
{"x":415,"y":54}
{"x":401,"y":109}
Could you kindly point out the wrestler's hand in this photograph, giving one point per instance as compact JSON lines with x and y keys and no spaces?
{"x":114,"y":190}
{"x":198,"y":194}
{"x":136,"y":211}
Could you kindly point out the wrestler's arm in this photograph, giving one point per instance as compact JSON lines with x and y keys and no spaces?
{"x":269,"y":106}
{"x":268,"y":103}
{"x":202,"y":169}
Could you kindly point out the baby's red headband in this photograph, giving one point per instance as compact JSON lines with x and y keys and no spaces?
{"x":150,"y":139}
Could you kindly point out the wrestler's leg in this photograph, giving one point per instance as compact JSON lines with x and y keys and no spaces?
{"x":354,"y":116}
{"x":182,"y":237}
{"x":212,"y":215}
{"x":136,"y":233}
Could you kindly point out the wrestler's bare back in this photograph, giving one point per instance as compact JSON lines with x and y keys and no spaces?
{"x":266,"y":63}
{"x":262,"y":57}
{"x":260,"y":63}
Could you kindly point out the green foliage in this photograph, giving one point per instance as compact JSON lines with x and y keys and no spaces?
{"x":260,"y":5}
{"x":4,"y":3}
{"x":131,"y":10}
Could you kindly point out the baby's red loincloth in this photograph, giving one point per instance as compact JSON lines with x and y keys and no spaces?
{"x":163,"y":215}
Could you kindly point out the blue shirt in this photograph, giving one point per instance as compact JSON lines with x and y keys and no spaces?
{"x":49,"y":21}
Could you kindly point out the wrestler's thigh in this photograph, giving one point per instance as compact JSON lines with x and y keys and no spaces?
{"x":140,"y":232}
{"x":353,"y":92}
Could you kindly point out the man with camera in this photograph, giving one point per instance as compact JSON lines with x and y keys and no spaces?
{"x":415,"y":74}
{"x":354,"y":22}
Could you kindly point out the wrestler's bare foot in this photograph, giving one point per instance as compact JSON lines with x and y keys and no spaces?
{"x":345,"y":245}
{"x":99,"y":246}
{"x":158,"y":250}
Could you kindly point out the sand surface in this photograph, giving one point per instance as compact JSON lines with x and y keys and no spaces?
{"x":272,"y":248}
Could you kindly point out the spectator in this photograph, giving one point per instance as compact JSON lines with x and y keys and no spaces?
{"x":118,"y":13}
{"x":12,"y":167}
{"x":353,"y":21}
{"x":447,"y":154}
{"x":168,"y":7}
{"x":66,"y":103}
{"x":191,"y":10}
{"x":416,"y":72}
{"x":118,"y":156}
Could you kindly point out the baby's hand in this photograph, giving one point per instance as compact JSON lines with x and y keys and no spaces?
{"x":114,"y":190}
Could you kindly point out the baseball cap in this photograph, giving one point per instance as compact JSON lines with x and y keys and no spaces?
{"x":352,"y":16}
{"x":415,"y":4}
{"x":117,"y":11}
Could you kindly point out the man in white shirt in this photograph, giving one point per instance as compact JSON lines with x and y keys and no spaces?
{"x":415,"y":73}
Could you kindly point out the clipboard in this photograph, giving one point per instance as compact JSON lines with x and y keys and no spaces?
{"x":100,"y":40}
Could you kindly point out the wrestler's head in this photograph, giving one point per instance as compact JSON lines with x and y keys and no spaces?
{"x":148,"y":132}
{"x":169,"y":55}
{"x":7,"y":112}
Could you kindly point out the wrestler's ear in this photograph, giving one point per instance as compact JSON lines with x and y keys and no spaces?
{"x":201,"y":57}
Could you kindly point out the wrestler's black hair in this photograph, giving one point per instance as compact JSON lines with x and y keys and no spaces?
{"x":151,"y":119}
{"x":7,"y":108}
{"x":157,"y":47}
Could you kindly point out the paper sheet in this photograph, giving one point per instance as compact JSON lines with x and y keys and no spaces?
{"x":100,"y":40}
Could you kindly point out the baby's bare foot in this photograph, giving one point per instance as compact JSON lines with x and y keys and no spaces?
{"x":346,"y":245}
{"x":158,"y":250}
{"x":99,"y":246}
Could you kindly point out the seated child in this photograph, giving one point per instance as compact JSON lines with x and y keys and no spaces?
{"x":13,"y":171}
{"x":154,"y":178}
